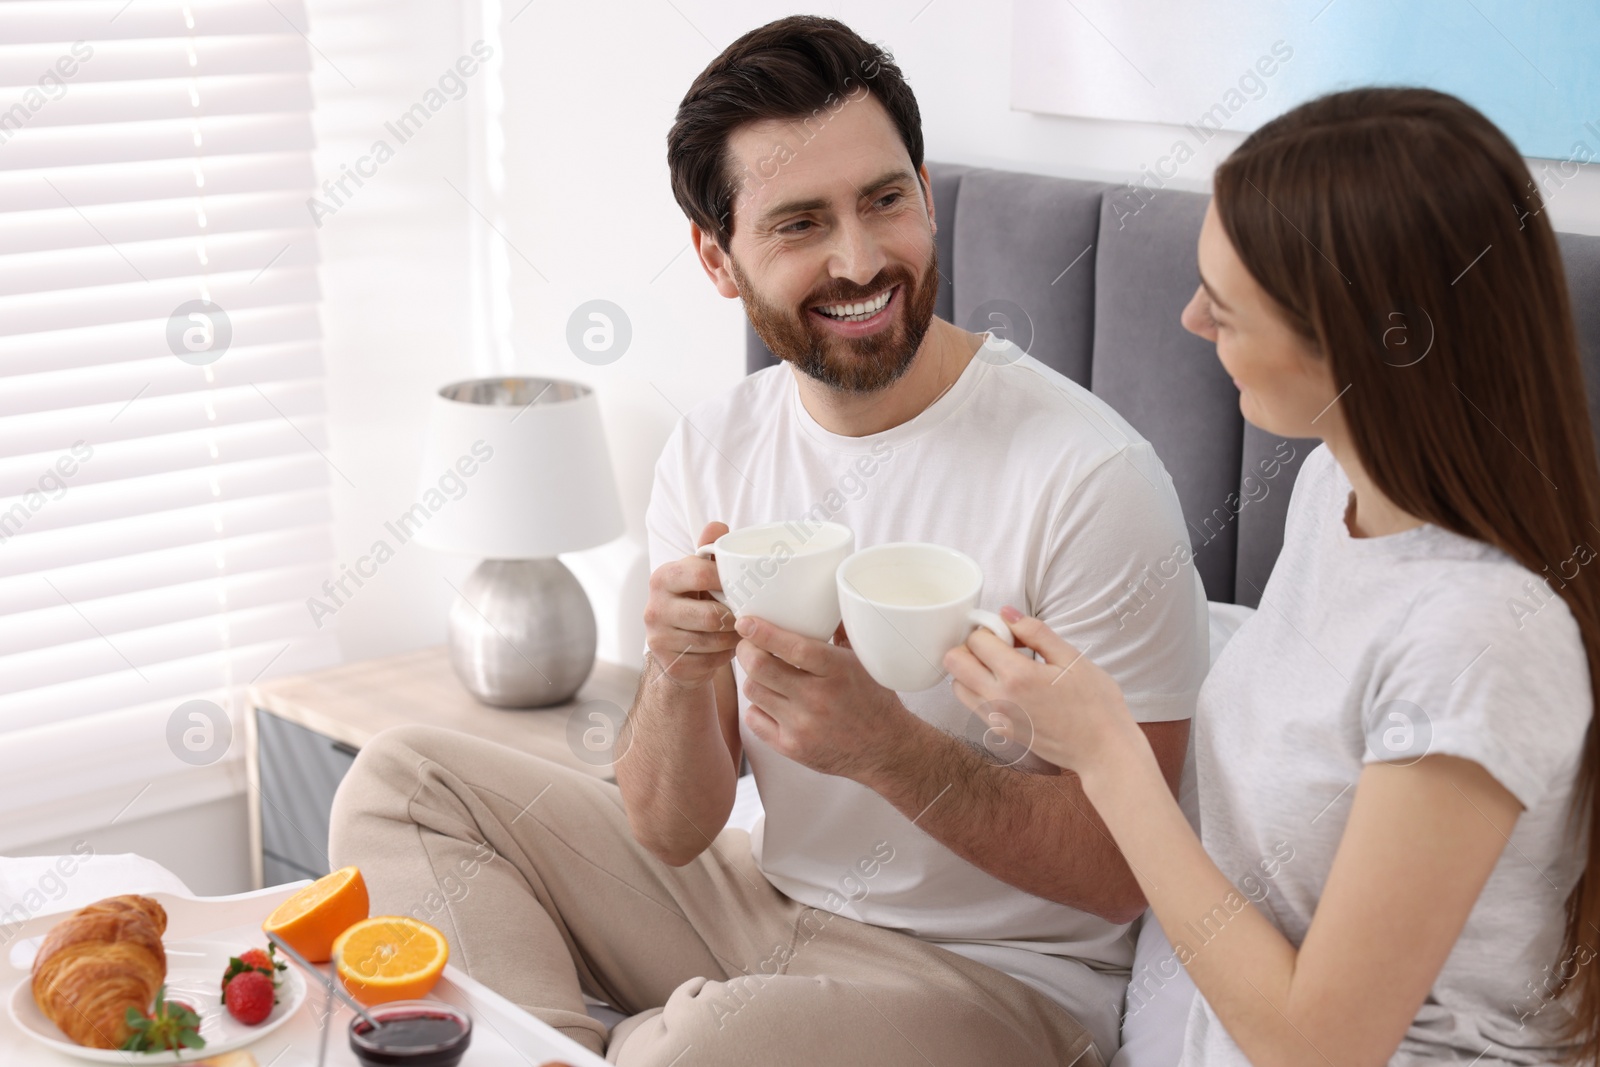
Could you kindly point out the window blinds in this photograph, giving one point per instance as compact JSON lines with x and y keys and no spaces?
{"x":164,"y":491}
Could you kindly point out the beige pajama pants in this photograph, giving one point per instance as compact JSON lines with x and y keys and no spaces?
{"x":530,"y":871}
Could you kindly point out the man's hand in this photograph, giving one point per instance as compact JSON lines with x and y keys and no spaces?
{"x":690,"y":634}
{"x":814,"y":703}
{"x":681,"y":737}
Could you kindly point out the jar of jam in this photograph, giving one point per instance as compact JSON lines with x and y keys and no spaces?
{"x":411,"y":1033}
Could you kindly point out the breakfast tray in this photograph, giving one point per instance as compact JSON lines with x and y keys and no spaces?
{"x":503,"y":1035}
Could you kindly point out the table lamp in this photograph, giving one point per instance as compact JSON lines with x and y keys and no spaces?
{"x":519,"y":471}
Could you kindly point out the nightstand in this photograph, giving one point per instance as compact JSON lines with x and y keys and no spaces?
{"x":303,"y":731}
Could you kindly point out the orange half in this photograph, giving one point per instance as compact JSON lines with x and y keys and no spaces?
{"x":311,"y":919}
{"x":390,"y":957}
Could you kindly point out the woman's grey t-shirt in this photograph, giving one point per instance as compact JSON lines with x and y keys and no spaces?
{"x":1388,"y":649}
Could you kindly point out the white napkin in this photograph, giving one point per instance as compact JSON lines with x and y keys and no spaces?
{"x":43,"y":885}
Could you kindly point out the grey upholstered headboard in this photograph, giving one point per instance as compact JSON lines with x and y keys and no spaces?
{"x":1101,"y":276}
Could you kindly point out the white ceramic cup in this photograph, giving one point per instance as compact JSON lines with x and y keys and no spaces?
{"x":905,"y":605}
{"x":783,"y":572}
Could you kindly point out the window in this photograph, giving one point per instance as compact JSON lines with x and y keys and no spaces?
{"x":164,"y":491}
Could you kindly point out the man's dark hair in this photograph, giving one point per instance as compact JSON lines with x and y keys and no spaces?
{"x":801,"y":67}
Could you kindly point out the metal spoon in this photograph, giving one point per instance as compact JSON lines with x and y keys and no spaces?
{"x":328,"y":979}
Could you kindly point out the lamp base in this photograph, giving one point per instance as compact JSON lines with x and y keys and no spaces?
{"x":522,"y":635}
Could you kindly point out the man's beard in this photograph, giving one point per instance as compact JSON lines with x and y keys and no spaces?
{"x":858,"y":364}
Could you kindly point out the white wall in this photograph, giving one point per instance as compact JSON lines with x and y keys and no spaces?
{"x":204,"y":845}
{"x":395,"y":296}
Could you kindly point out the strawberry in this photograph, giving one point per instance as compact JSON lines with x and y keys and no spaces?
{"x":254,"y":959}
{"x":258,"y":959}
{"x":249,"y":996}
{"x":170,"y":1025}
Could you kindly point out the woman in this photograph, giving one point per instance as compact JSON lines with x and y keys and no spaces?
{"x":1393,"y":752}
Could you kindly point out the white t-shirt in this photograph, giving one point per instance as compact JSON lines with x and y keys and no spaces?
{"x":1072,"y":518}
{"x":1385,"y":649}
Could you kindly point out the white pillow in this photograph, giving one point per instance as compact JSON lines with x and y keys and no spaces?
{"x":1160,"y":992}
{"x":747,"y":810}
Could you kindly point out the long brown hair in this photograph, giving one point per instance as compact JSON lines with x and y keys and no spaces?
{"x":1400,"y":231}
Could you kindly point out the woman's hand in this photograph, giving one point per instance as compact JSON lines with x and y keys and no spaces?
{"x":1061,"y":706}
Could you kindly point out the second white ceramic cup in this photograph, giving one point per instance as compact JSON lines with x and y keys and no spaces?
{"x":783,"y":572}
{"x":905,"y":604}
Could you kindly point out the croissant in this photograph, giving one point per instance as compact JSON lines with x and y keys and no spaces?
{"x":96,"y":964}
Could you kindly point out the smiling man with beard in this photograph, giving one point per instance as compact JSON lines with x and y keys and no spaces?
{"x":912,"y":895}
{"x":863,"y":353}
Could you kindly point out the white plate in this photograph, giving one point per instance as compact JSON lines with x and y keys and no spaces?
{"x":194,"y":975}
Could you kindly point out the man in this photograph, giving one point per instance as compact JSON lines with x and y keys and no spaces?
{"x":914,"y":894}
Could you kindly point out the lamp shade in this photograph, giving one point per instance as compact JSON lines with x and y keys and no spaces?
{"x":514,"y":468}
